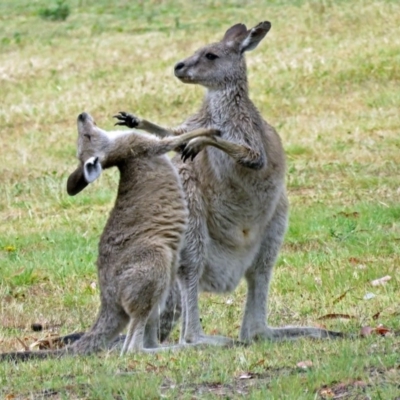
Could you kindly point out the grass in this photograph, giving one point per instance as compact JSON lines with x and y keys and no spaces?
{"x":326,"y":77}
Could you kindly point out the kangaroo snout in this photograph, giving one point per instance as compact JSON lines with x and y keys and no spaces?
{"x":83,"y":116}
{"x":179,"y":66}
{"x":179,"y":70}
{"x":182,"y":72}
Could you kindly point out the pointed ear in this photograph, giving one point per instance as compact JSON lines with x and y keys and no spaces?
{"x":92,"y":169}
{"x":234,"y":33}
{"x":254,"y":36}
{"x":76,"y":182}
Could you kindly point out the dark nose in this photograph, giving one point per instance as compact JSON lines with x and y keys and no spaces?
{"x":82,"y":117}
{"x":179,"y":66}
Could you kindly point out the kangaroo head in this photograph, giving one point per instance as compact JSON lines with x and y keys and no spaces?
{"x":221,"y":64}
{"x":93,"y":143}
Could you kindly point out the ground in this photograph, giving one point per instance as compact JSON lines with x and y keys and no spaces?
{"x":327,"y":77}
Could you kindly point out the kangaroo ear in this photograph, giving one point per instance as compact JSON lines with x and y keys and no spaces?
{"x":76,"y":182}
{"x":254,"y":36}
{"x":235,"y":32}
{"x":92,"y":169}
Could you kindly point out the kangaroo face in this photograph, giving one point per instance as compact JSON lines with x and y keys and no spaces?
{"x":222,"y":64}
{"x":212,"y":66}
{"x":92,"y":141}
{"x":92,"y":147}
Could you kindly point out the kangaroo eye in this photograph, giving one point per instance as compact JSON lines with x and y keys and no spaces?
{"x":211,"y":56}
{"x":87,"y":135}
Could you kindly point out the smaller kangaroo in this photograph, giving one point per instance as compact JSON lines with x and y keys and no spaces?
{"x":139,"y":248}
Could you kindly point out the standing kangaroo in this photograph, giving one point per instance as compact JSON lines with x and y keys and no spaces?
{"x":140,"y":244}
{"x":235,"y":190}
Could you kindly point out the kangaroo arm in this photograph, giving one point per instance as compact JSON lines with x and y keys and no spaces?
{"x":132,"y":121}
{"x":171,"y":143}
{"x":158,"y":130}
{"x":243,"y":155}
{"x":154,"y":128}
{"x":133,"y":143}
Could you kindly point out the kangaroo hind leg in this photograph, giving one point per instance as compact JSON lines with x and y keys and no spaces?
{"x":111,"y":320}
{"x":258,"y":277}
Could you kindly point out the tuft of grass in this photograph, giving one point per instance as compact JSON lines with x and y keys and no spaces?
{"x":59,"y":12}
{"x":326,"y":77}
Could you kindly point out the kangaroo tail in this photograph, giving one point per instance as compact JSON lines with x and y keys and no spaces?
{"x":22,"y":356}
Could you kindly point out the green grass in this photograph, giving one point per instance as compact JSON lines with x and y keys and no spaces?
{"x":326,"y":76}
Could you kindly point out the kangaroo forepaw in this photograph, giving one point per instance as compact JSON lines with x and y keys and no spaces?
{"x":126,"y":119}
{"x":188,"y":152}
{"x":193,"y":147}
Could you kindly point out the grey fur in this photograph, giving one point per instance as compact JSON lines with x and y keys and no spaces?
{"x":235,"y":191}
{"x":139,"y":247}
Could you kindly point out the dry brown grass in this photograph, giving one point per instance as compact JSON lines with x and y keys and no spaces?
{"x":327,"y":77}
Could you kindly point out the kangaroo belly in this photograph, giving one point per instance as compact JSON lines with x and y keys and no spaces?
{"x":225,"y":266}
{"x":235,"y":232}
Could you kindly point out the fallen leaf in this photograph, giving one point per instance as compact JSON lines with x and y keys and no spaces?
{"x":354,"y":260}
{"x":10,"y":249}
{"x":381,"y":281}
{"x":151,"y":367}
{"x":26,"y":348}
{"x":341,"y":390}
{"x":341,"y":297}
{"x":305,"y":364}
{"x":327,"y":393}
{"x":334,"y":315}
{"x":353,"y":214}
{"x":376,"y":316}
{"x":258,"y":363}
{"x":366,"y":331}
{"x":51,"y":341}
{"x":246,"y":375}
{"x":379,"y":330}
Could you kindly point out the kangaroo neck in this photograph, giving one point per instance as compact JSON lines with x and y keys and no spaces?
{"x":224,"y":104}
